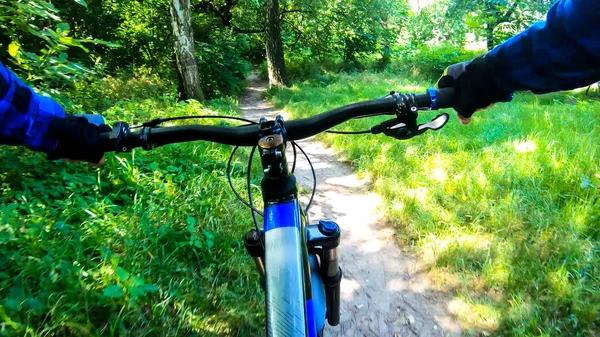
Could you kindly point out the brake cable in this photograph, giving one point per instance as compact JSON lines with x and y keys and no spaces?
{"x":314,"y":175}
{"x":229,"y":180}
{"x":250,"y":204}
{"x":157,"y":121}
{"x":250,"y":200}
{"x":348,"y":132}
{"x":403,"y":127}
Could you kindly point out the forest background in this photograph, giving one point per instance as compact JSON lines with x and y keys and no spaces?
{"x":505,"y":212}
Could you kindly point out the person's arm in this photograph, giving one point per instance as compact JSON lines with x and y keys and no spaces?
{"x":25,"y":116}
{"x":561,"y":53}
{"x":40,"y":123}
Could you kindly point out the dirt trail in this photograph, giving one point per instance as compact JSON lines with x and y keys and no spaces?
{"x":384,"y":292}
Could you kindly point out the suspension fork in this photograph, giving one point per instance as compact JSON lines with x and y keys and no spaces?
{"x":253,"y":241}
{"x":323,"y":239}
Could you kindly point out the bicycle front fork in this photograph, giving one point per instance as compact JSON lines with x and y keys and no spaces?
{"x":322,"y":239}
{"x":253,"y":242}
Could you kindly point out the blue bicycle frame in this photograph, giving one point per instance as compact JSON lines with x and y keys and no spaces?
{"x":295,"y":300}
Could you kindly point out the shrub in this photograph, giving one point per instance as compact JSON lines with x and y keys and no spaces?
{"x":221,"y":64}
{"x":148,"y":244}
{"x":37,"y":43}
{"x":263,"y":71}
{"x":302,"y":68}
{"x":430,"y":62}
{"x":101,"y":94}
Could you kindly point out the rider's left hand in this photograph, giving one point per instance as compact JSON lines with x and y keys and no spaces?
{"x":78,"y":138}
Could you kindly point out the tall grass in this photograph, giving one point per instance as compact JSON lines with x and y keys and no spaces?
{"x":147,"y":245}
{"x":505,"y":211}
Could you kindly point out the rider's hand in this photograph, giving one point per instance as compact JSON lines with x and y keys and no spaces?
{"x":77,"y":138}
{"x":474,"y":86}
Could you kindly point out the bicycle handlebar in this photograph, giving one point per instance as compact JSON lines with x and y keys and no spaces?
{"x":248,"y":135}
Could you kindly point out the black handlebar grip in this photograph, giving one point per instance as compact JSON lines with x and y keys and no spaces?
{"x":423,"y":100}
{"x":445,"y":98}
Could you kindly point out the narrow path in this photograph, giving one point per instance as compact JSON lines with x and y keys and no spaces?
{"x":384,"y":292}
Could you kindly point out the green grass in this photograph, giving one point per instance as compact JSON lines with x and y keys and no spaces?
{"x":505,"y":210}
{"x":147,"y":245}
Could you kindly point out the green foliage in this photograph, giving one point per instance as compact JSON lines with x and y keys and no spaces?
{"x":37,"y":42}
{"x":148,"y":244}
{"x":263,"y":70}
{"x":430,"y":62}
{"x":221,"y":63}
{"x":346,"y":30}
{"x":144,"y":32}
{"x":497,"y":20}
{"x":434,"y":25}
{"x":100,"y":95}
{"x":425,"y":62}
{"x":49,"y":43}
{"x":504,"y":210}
{"x":305,"y":68}
{"x":141,"y":28}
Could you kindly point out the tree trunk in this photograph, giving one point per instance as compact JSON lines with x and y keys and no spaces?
{"x":187,"y":69}
{"x":388,"y":39}
{"x":274,"y":44}
{"x":386,"y":57}
{"x":489,"y":36}
{"x":498,"y":18}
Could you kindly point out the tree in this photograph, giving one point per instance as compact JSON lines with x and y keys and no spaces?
{"x":141,"y":28}
{"x":486,"y":16}
{"x":187,"y":68}
{"x":435,"y":25}
{"x":348,"y":30}
{"x":254,"y":17}
{"x":496,"y":15}
{"x":40,"y":46}
{"x":274,"y":44}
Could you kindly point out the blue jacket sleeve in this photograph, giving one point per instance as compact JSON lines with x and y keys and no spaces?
{"x":25,"y":116}
{"x":561,"y":53}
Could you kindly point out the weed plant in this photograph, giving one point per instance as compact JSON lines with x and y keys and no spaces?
{"x":147,"y":245}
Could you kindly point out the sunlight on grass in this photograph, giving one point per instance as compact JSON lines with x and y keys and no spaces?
{"x":461,"y":251}
{"x":525,"y":146}
{"x":476,"y":316}
{"x":506,"y":211}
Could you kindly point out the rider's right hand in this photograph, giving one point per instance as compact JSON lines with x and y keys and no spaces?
{"x":474,"y":87}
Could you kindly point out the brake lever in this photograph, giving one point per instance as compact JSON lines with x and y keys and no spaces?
{"x":402,"y":130}
{"x":118,"y":134}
